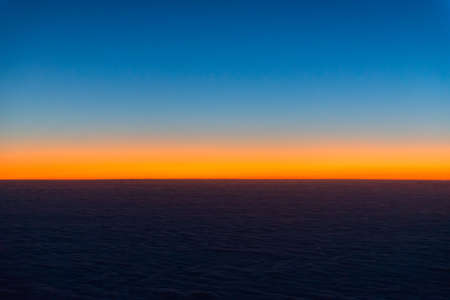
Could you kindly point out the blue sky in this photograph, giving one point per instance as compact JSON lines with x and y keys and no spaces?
{"x":327,"y":69}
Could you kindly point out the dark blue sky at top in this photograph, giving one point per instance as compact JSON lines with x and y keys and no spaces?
{"x":331,"y":68}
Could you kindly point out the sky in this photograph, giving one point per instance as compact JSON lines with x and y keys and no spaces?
{"x":225,"y":89}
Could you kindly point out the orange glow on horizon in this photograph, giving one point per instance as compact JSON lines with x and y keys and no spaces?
{"x":163,"y":160}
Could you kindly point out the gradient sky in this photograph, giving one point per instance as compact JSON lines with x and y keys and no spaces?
{"x":225,"y":89}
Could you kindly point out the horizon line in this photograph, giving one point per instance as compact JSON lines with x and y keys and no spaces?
{"x":220,"y":179}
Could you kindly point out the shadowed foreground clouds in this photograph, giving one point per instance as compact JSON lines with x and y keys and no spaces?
{"x":274,"y":73}
{"x":252,"y":240}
